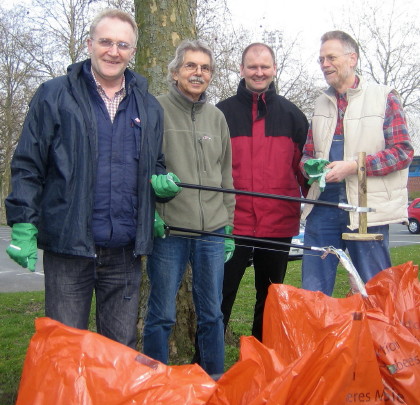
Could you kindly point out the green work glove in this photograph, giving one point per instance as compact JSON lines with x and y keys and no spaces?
{"x":316,"y":170}
{"x":159,"y":226}
{"x":164,"y":185}
{"x":229,"y":244}
{"x":23,"y":248}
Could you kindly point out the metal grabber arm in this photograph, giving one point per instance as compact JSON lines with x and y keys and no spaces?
{"x":346,"y":207}
{"x":355,"y":280}
{"x":169,"y":228}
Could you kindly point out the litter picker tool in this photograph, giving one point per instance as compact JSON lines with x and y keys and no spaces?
{"x":362,"y":235}
{"x":355,"y":280}
{"x":346,"y":207}
{"x":169,"y":228}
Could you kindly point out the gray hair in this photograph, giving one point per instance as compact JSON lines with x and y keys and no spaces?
{"x":349,"y":44}
{"x":195,"y":45}
{"x":114,"y":13}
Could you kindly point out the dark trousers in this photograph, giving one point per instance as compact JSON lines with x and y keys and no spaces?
{"x":114,"y":275}
{"x":270,"y":264}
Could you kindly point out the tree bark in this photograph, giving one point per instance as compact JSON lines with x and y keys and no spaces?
{"x":162,"y":26}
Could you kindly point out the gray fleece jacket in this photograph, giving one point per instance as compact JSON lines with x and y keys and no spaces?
{"x":196,"y":145}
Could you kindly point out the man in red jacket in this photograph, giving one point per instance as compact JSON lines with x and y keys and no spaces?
{"x":267,"y":134}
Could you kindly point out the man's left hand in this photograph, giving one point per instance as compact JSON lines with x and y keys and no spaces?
{"x":339,"y":170}
{"x":158,"y":226}
{"x":164,"y":185}
{"x":229,"y":244}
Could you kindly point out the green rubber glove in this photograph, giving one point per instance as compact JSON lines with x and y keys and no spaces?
{"x":23,"y":247}
{"x":229,"y":243}
{"x":158,"y":227}
{"x":316,"y":170}
{"x":164,"y":185}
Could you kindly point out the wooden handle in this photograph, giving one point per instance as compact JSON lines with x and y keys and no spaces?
{"x":361,"y":174}
{"x":361,"y":177}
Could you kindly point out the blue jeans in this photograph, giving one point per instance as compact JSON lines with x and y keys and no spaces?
{"x":324,"y":227}
{"x":114,"y":275}
{"x":166,"y":267}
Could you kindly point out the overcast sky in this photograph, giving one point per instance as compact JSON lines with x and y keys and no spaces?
{"x":310,"y":18}
{"x":307,"y":18}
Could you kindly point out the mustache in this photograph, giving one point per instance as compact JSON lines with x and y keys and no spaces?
{"x":196,"y":79}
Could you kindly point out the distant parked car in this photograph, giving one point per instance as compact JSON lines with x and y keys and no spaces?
{"x":414,"y":216}
{"x":296,"y":253}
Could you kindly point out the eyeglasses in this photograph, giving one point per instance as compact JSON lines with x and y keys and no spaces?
{"x":107,"y":43}
{"x":330,"y":58}
{"x":192,"y":67}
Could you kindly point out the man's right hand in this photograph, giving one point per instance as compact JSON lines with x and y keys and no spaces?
{"x":23,"y":247}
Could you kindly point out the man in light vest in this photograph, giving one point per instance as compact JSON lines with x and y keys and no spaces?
{"x":353,"y":116}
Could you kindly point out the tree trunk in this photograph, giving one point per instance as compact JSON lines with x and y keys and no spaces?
{"x":162,"y":26}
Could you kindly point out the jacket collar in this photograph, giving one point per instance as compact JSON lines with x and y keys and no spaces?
{"x":83,"y":68}
{"x":247,"y":97}
{"x":331,"y":92}
{"x":180,"y":99}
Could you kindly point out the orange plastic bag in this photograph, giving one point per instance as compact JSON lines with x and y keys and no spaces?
{"x":256,"y":369}
{"x":68,"y":366}
{"x":393,"y":310}
{"x":333,"y":335}
{"x":398,"y":356}
{"x":319,"y":376}
{"x":396,"y":291}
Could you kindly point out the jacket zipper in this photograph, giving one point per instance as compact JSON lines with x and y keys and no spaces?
{"x":198,"y":166}
{"x":200,"y":141}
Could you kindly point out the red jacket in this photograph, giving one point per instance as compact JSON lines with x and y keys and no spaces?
{"x":267,"y":134}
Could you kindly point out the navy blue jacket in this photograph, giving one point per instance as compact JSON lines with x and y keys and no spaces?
{"x":54,"y":165}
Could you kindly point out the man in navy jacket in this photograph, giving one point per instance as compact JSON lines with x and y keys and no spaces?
{"x":81,"y":183}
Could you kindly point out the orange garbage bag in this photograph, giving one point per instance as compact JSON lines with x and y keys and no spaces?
{"x":257,"y":368}
{"x":319,"y":376}
{"x":398,"y":356}
{"x":396,"y":291}
{"x":68,"y":366}
{"x":328,"y":344}
{"x":393,"y":310}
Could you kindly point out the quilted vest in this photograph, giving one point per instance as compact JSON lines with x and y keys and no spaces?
{"x":363,"y":132}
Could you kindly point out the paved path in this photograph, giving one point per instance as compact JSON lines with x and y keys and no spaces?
{"x":14,"y":278}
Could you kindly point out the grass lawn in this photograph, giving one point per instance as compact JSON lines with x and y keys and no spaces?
{"x":18,"y":310}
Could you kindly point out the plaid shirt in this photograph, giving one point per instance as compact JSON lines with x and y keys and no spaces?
{"x":111,"y":104}
{"x":398,"y":152}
